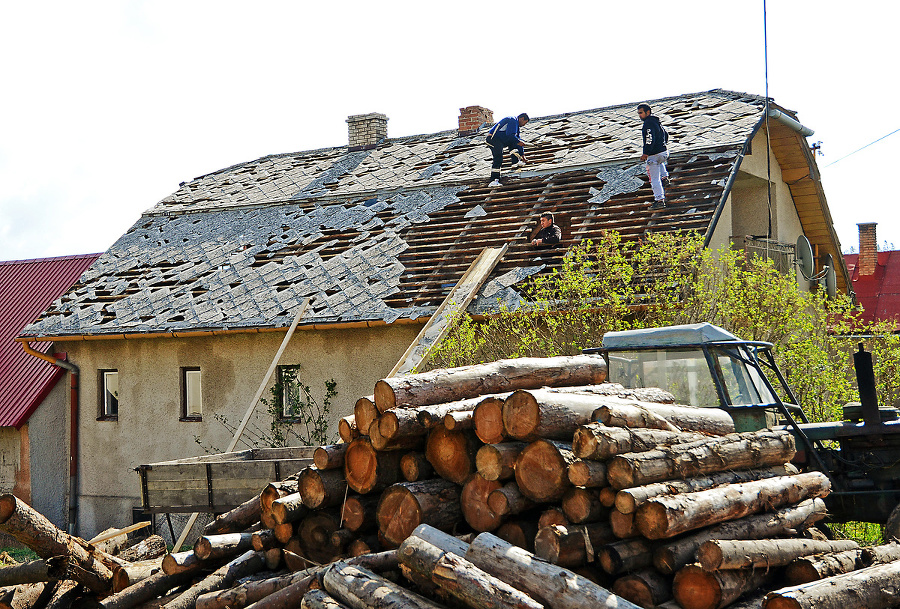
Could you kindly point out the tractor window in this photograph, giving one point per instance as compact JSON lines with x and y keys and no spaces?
{"x":742,"y":382}
{"x":684,"y":373}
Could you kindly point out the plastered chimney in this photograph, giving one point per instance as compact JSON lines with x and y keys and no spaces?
{"x":471,"y":118}
{"x":366,"y":130}
{"x":868,"y":250}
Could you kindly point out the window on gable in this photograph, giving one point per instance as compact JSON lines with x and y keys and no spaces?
{"x":191,"y":395}
{"x":292,"y":393}
{"x":109,"y":395}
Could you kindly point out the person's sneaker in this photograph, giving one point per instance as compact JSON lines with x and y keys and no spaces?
{"x":494,"y":184}
{"x":658,"y":204}
{"x":666,"y":183}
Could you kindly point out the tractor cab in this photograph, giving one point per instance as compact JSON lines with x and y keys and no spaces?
{"x":705,"y":366}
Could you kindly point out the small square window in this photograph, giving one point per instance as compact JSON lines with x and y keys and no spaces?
{"x":191,"y":395}
{"x":109,"y":395}
{"x":293,"y":393}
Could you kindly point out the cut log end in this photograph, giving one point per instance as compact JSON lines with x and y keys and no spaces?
{"x":384,"y":396}
{"x":521,"y":414}
{"x":488,"y":418}
{"x":697,"y":589}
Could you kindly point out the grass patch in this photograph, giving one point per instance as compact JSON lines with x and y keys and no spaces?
{"x":11,"y":556}
{"x":863,"y":533}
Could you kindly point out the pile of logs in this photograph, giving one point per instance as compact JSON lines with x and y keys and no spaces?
{"x":521,"y":483}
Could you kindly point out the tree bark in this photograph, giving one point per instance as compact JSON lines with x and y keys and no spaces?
{"x":597,"y":441}
{"x":873,"y":587}
{"x":450,"y":384}
{"x":237,"y":520}
{"x":452,"y":453}
{"x":381,"y":443}
{"x":582,"y":505}
{"x":330,"y":456}
{"x":542,"y":470}
{"x":670,"y":557}
{"x":541,"y":413}
{"x":211,"y":547}
{"x":180,"y":562}
{"x":587,"y":474}
{"x":431,"y":416}
{"x":368,"y":544}
{"x":31,"y":572}
{"x":735,"y":451}
{"x":874,"y":555}
{"x":406,"y":505}
{"x":275,"y":490}
{"x":364,"y":413}
{"x":694,"y":588}
{"x":460,"y":578}
{"x":644,"y":587}
{"x":246,"y":564}
{"x":288,"y":509}
{"x":552,"y":585}
{"x":630,"y":499}
{"x":367,"y":470}
{"x":347,"y":429}
{"x":156,"y":585}
{"x":637,"y":414}
{"x":497,"y":461}
{"x":626,"y":555}
{"x":319,"y":599}
{"x":813,"y":568}
{"x":473,"y":500}
{"x":27,"y":596}
{"x":321,"y":488}
{"x":133,"y":573}
{"x":358,"y":513}
{"x":399,"y":423}
{"x":154,"y":546}
{"x":488,"y":420}
{"x":508,"y":500}
{"x":573,"y":545}
{"x":719,"y":554}
{"x":415,"y":467}
{"x":359,"y":588}
{"x":459,"y":420}
{"x":665,"y":517}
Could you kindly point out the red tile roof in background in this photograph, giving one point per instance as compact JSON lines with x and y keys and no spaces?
{"x":879,"y":293}
{"x":27,"y":287}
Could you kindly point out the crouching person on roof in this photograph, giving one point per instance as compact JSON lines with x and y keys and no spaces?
{"x":550,"y":233}
{"x":505,"y":134}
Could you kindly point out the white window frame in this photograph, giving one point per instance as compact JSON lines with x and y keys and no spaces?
{"x":191,"y":394}
{"x":109,"y":395}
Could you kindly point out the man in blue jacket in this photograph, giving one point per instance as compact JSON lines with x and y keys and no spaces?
{"x":505,"y":134}
{"x":654,"y":138}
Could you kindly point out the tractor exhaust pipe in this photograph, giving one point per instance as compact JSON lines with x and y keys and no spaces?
{"x":865,"y":380}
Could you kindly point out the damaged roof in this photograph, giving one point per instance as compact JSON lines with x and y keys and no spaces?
{"x":379,"y":235}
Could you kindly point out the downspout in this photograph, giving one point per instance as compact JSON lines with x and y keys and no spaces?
{"x":74,"y":378}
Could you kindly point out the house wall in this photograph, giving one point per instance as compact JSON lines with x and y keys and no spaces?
{"x":148,"y":429}
{"x":10,"y":459}
{"x":48,"y":450}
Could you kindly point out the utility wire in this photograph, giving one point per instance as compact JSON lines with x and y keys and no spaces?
{"x":768,"y":142}
{"x":863,"y":148}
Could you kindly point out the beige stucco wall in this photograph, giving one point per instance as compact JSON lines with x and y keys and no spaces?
{"x":48,"y":450}
{"x":10,"y":458}
{"x":148,"y":429}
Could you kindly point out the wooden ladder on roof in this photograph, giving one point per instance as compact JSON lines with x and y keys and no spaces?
{"x":457,"y":300}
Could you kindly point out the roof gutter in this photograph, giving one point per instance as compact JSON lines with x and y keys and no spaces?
{"x":74,"y":403}
{"x":790,"y":121}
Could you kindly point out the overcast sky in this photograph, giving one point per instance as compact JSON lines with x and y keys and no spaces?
{"x":107,"y":106}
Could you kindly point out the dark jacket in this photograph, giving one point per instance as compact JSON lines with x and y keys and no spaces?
{"x":653,"y":136}
{"x":505,"y":133}
{"x":550,"y":235}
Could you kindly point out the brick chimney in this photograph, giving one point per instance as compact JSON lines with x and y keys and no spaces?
{"x":366,"y":130}
{"x":868,"y":249}
{"x":471,"y":118}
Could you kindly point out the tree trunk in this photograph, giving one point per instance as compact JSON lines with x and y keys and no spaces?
{"x":596,"y":441}
{"x":431,"y":416}
{"x":32,"y":529}
{"x":452,"y":453}
{"x":364,"y":414}
{"x":321,"y":488}
{"x":358,"y":513}
{"x":473,"y":500}
{"x":627,"y":555}
{"x":582,"y":505}
{"x":623,"y":525}
{"x":133,"y":573}
{"x":735,"y":451}
{"x":180,"y":562}
{"x":554,"y":586}
{"x":488,"y":420}
{"x":648,"y":415}
{"x":367,"y":470}
{"x":381,"y":443}
{"x":246,"y":564}
{"x":367,"y":544}
{"x":542,"y":470}
{"x":27,"y":596}
{"x":294,"y":562}
{"x":319,"y":599}
{"x":273,"y":491}
{"x":315,"y":532}
{"x":154,"y":546}
{"x":873,"y":587}
{"x":450,"y":384}
{"x":573,"y":545}
{"x":282,"y":532}
{"x":359,"y":588}
{"x":630,"y":499}
{"x":400,"y":423}
{"x":588,"y":474}
{"x":645,"y":588}
{"x":459,"y":420}
{"x":289,"y":508}
{"x":551,"y":516}
{"x":671,"y":556}
{"x":743,"y":553}
{"x":156,"y":585}
{"x":874,"y":555}
{"x":497,"y":461}
{"x":665,"y":517}
{"x":508,"y":500}
{"x":237,"y":520}
{"x":460,"y":578}
{"x":211,"y":547}
{"x":415,"y":467}
{"x":406,"y":505}
{"x":347,"y":429}
{"x":31,"y":572}
{"x":541,"y":413}
{"x":695,"y":588}
{"x":813,"y":568}
{"x":520,"y":533}
{"x":330,"y":456}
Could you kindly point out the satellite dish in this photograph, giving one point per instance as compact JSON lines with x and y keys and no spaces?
{"x":803,"y":253}
{"x":830,"y":278}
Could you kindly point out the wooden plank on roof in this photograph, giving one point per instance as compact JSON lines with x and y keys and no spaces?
{"x":457,"y":300}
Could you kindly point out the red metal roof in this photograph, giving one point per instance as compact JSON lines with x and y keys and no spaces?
{"x":879,"y":293}
{"x":27,"y":287}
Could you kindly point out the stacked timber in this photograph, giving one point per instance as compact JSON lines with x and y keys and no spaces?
{"x":521,"y":483}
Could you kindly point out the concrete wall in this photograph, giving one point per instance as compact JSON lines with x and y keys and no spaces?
{"x":148,"y":429}
{"x":48,"y":433}
{"x":10,"y":459}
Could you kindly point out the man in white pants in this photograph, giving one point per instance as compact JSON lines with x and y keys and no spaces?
{"x":654,"y":138}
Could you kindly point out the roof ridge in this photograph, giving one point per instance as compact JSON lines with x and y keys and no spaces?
{"x":50,"y":259}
